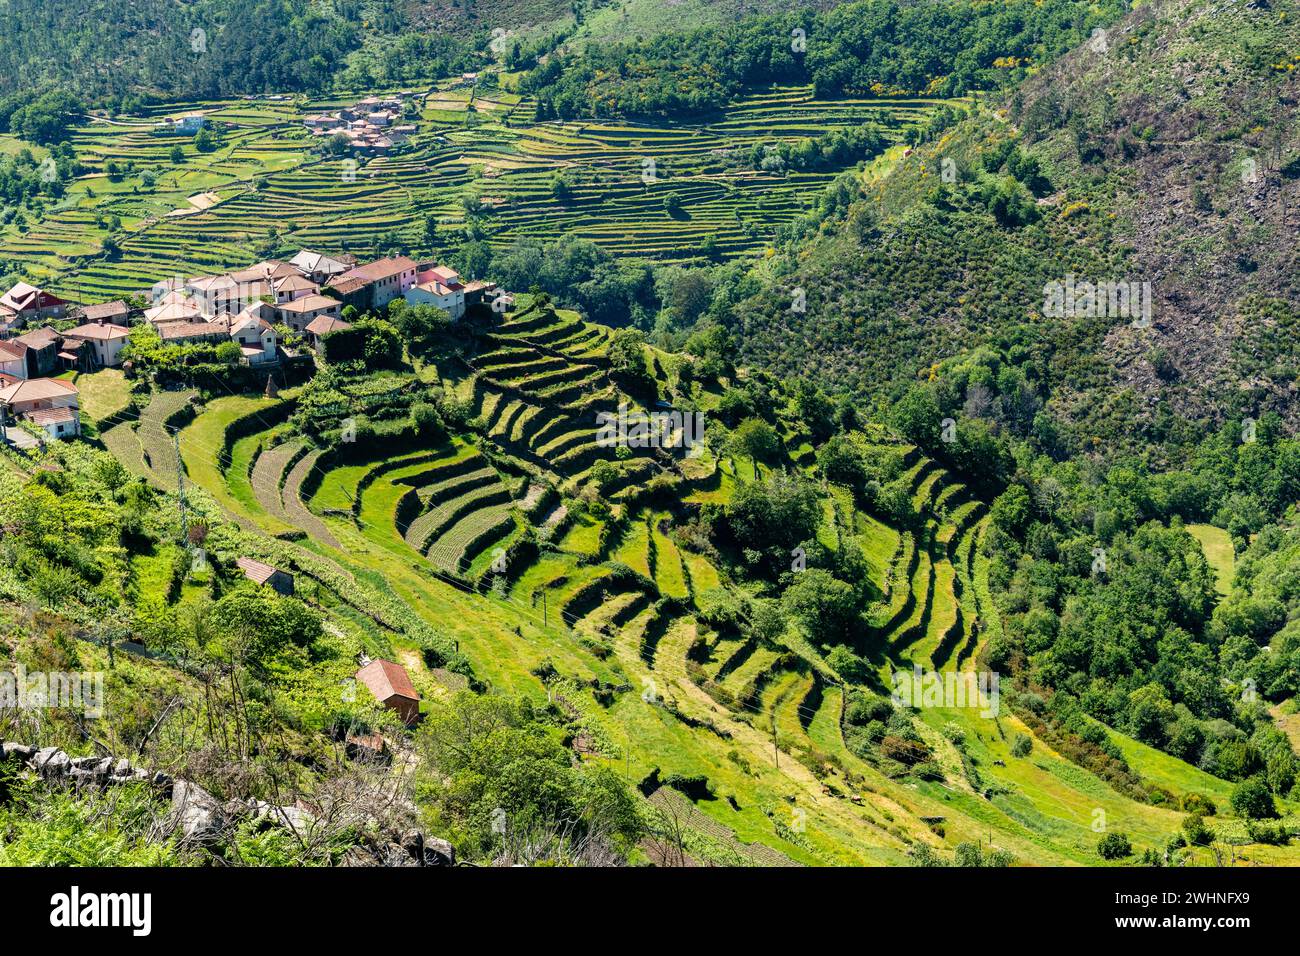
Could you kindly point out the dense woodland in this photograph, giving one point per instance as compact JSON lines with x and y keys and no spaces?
{"x":858,"y":49}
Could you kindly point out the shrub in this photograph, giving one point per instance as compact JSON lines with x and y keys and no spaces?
{"x":1114,"y":846}
{"x":1197,"y":833}
{"x":1251,"y":799}
{"x":1199,"y":804}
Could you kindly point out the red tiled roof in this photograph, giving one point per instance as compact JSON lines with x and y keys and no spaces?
{"x":386,"y":680}
{"x":309,"y":303}
{"x":325,"y":324}
{"x":255,"y":570}
{"x":37,"y":389}
{"x":381,"y":269}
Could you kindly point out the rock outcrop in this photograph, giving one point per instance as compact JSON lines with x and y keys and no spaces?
{"x":200,"y":819}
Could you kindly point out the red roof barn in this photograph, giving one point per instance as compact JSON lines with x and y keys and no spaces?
{"x":392,"y":687}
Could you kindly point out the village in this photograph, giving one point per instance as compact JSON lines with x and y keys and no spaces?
{"x":43,"y":337}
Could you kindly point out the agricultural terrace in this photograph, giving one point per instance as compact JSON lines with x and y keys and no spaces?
{"x":660,"y":190}
{"x":565,"y":570}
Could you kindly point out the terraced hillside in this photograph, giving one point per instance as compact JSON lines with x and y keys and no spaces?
{"x":767,"y":743}
{"x":268,"y":184}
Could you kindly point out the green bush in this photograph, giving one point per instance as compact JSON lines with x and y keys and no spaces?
{"x":1114,"y":846}
{"x":1252,"y":800}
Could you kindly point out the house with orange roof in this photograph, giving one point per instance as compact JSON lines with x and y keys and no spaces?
{"x":256,"y":338}
{"x":381,"y":281}
{"x":104,"y":341}
{"x":439,"y":286}
{"x":301,"y":313}
{"x":392,"y":687}
{"x":50,"y":404}
{"x":25,"y":303}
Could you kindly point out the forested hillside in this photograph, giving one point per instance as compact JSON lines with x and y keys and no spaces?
{"x":877,"y":47}
{"x":1164,"y":152}
{"x":1161,"y":151}
{"x":109,"y":51}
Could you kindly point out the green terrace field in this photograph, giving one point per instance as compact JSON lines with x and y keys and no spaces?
{"x":621,"y":173}
{"x":486,"y":537}
{"x":265,"y":183}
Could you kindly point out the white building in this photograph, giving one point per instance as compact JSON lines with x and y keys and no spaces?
{"x":106,"y":341}
{"x":440,"y":287}
{"x":50,"y":404}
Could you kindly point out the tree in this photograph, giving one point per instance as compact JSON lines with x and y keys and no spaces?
{"x":756,"y":440}
{"x":768,"y":519}
{"x":255,"y":623}
{"x":425,"y":420}
{"x":177,"y":155}
{"x":627,"y":361}
{"x":848,"y":665}
{"x":1114,"y":846}
{"x":561,"y":189}
{"x":422,"y":327}
{"x":824,"y":606}
{"x":1252,"y":800}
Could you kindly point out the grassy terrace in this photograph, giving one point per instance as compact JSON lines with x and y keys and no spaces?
{"x":1043,"y":807}
{"x":265,"y":176}
{"x":618,"y":614}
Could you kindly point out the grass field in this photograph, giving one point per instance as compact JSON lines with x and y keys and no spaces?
{"x":429,"y":530}
{"x":104,"y":394}
{"x":1217,"y":545}
{"x":272,"y":188}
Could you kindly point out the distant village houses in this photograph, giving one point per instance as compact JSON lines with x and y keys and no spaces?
{"x":250,"y":307}
{"x":372,"y":125}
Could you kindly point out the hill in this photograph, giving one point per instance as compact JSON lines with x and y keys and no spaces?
{"x":1166,"y":159}
{"x":643,"y":600}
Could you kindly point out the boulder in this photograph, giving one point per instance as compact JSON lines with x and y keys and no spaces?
{"x":51,"y":762}
{"x":358,"y":856}
{"x":394,"y":854}
{"x":438,"y":852}
{"x":427,"y":851}
{"x":196,"y":813}
{"x":15,"y":751}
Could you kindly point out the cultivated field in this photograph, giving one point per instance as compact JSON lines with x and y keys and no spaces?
{"x":474,"y":537}
{"x":267,"y":186}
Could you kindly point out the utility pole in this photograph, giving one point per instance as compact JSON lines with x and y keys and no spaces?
{"x":776,"y":751}
{"x":544,"y":624}
{"x":180,"y":487}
